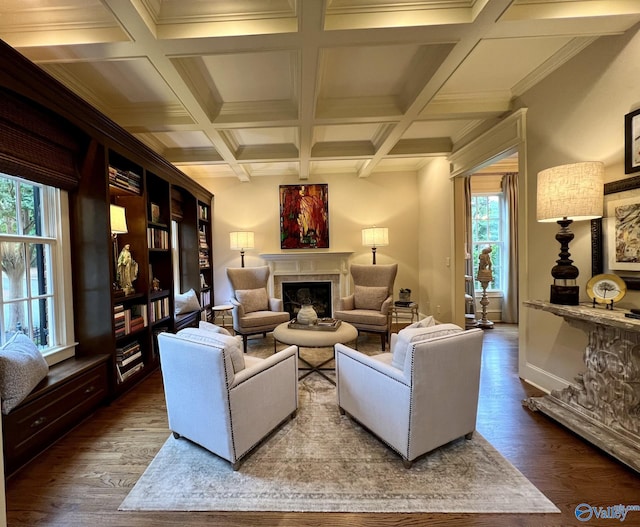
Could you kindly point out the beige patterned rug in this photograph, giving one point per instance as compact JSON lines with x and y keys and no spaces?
{"x":324,"y":462}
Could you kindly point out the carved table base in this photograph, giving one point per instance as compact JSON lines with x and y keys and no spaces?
{"x":603,"y":406}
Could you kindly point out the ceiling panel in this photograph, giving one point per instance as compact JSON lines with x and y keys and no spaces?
{"x":248,"y":88}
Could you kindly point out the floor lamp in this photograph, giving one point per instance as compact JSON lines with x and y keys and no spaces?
{"x":569,"y":193}
{"x":375,"y":237}
{"x":241,"y":240}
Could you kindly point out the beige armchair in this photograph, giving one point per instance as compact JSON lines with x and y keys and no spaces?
{"x":369,"y":307}
{"x":420,"y":396}
{"x":254,"y":312}
{"x":215,"y":394}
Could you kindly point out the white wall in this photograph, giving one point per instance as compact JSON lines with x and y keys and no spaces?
{"x":575,"y":114}
{"x":386,"y":200}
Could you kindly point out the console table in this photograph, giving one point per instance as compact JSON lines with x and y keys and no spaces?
{"x":603,"y":406}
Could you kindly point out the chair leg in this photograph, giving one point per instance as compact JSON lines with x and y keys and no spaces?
{"x":407,"y":464}
{"x":244,"y":343}
{"x":469,"y":436}
{"x":383,"y":341}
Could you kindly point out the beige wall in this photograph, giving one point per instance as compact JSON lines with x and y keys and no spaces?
{"x":575,"y":114}
{"x":388,"y":200}
{"x":435,"y":232}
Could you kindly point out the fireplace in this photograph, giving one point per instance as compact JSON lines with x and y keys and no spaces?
{"x":310,"y":266}
{"x":317,"y":293}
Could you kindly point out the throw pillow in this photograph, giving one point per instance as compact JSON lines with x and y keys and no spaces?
{"x":208,"y":326}
{"x":22,"y":367}
{"x":370,"y":297}
{"x":231,"y":345}
{"x":409,"y":336}
{"x":253,"y":299}
{"x":424,"y":323}
{"x":187,"y":302}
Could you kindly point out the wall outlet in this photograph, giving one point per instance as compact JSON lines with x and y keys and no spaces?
{"x":438,"y":309}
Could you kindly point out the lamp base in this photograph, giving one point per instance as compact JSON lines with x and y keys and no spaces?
{"x":566,"y":295}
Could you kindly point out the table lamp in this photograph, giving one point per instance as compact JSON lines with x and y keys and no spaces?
{"x":569,"y":193}
{"x":375,"y":237}
{"x":241,"y":240}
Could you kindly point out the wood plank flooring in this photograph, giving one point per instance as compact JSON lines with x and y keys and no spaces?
{"x":82,"y":479}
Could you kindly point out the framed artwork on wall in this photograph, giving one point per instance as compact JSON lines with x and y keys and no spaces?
{"x":623,"y":234}
{"x":632,"y":142}
{"x":304,"y":216}
{"x":614,"y":237}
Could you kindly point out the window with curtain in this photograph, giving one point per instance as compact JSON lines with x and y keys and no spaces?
{"x":35,"y":289}
{"x":487,"y":228}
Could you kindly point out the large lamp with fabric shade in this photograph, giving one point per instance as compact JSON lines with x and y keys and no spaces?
{"x":568,"y":193}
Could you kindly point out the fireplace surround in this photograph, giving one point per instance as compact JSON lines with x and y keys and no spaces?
{"x":311,"y":267}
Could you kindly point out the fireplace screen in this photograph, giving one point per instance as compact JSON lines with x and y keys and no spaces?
{"x":295,"y":294}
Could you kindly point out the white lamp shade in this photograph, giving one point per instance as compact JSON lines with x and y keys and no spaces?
{"x":574,"y":191}
{"x":375,"y":237}
{"x":118,"y":220}
{"x":241,"y":240}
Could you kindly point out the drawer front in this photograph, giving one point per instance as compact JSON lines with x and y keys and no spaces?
{"x":40,"y":422}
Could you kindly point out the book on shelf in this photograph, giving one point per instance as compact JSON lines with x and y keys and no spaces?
{"x":130,"y":319}
{"x":124,"y":375}
{"x":125,"y":179}
{"x":203,"y":212}
{"x":157,"y":238}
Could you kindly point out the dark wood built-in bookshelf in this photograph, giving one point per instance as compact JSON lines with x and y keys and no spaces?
{"x":54,"y":137}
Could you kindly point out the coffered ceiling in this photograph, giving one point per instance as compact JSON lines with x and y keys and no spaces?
{"x":259,"y":88}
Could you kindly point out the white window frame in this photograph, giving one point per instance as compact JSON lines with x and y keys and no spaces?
{"x":56,"y":227}
{"x":491,"y":290}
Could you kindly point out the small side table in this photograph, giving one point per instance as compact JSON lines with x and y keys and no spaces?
{"x":223,"y":312}
{"x":411,"y":310}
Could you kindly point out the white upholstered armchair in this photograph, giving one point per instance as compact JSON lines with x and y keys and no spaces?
{"x":254,"y":311}
{"x":421,"y":395}
{"x":222,"y":399}
{"x":368,"y":308}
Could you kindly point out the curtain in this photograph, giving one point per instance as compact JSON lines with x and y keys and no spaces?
{"x":510,"y":304}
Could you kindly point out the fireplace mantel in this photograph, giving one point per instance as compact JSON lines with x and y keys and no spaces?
{"x":309,"y":266}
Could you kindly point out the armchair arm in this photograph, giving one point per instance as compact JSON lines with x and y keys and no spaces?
{"x":377,"y":366}
{"x":263,"y":365}
{"x":386,"y":305}
{"x":347,"y":303}
{"x":237,"y":312}
{"x":276,"y":304}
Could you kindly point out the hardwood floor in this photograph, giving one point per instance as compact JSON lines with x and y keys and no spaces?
{"x":82,"y":479}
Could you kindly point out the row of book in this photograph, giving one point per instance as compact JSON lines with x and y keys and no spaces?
{"x":125,"y":179}
{"x":203,"y":212}
{"x":159,"y":309}
{"x":157,"y":238}
{"x":205,"y":298}
{"x":128,"y":360}
{"x":129,"y":320}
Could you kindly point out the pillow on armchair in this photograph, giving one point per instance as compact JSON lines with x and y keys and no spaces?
{"x":370,"y":297}
{"x":253,"y":299}
{"x":409,"y":336}
{"x":22,"y":367}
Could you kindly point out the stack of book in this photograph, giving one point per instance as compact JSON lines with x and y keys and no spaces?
{"x":128,"y":320}
{"x":203,"y":249}
{"x":128,"y":360}
{"x":125,"y":179}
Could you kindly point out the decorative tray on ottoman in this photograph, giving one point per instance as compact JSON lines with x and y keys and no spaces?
{"x":323,"y":324}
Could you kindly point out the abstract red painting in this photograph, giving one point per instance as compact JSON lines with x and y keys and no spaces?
{"x":304,"y":216}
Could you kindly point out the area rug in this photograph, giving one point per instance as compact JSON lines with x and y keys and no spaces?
{"x":324,"y":462}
